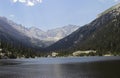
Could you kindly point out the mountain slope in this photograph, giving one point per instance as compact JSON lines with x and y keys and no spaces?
{"x":100,"y":34}
{"x":8,"y":32}
{"x":15,"y":42}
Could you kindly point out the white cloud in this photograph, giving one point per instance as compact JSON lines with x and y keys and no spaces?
{"x":28,"y":2}
{"x":14,"y":0}
{"x":22,"y":1}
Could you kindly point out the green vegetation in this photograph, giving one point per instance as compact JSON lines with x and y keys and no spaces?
{"x":107,"y":39}
{"x":12,"y":51}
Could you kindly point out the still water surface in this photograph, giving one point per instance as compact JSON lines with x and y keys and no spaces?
{"x":83,"y":67}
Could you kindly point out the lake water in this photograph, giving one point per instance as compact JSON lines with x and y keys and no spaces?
{"x":72,"y":67}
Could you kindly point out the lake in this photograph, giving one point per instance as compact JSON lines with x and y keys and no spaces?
{"x":69,"y":67}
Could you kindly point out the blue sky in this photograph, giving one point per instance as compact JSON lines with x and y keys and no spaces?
{"x":48,"y":14}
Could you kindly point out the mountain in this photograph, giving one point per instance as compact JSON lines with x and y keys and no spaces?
{"x":51,"y":36}
{"x":102,"y":34}
{"x":13,"y":42}
{"x":59,"y":33}
{"x":9,"y":33}
{"x":35,"y":36}
{"x":44,"y":38}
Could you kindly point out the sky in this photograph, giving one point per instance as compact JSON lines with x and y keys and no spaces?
{"x":48,"y":14}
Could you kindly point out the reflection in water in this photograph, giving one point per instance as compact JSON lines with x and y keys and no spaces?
{"x":94,"y":69}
